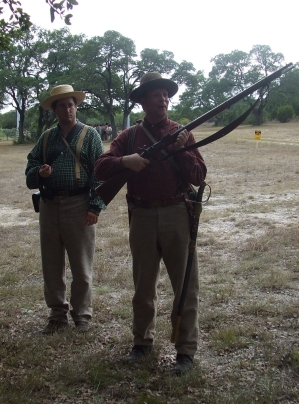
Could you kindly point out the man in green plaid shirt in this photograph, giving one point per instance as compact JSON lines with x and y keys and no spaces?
{"x":61,"y":165}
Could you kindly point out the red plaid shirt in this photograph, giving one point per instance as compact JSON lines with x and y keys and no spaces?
{"x":159,"y":180}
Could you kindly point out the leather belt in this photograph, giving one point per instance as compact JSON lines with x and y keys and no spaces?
{"x":72,"y":192}
{"x":155,"y":204}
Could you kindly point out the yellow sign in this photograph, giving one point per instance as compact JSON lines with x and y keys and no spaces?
{"x":258,"y":135}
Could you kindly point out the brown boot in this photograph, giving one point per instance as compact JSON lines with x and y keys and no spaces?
{"x":55,"y":326}
{"x":139,"y":352}
{"x":82,"y":326}
{"x":183,"y":364}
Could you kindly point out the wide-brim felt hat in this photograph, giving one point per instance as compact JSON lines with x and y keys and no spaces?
{"x":62,"y":91}
{"x":151,"y":81}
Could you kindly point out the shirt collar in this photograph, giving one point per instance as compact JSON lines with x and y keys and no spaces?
{"x":72,"y":133}
{"x":160,"y":125}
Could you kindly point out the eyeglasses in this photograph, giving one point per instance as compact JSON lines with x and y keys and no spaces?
{"x":63,"y":107}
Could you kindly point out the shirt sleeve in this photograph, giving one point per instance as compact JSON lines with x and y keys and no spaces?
{"x":95,"y":149}
{"x":34,"y":162}
{"x":191,"y":163}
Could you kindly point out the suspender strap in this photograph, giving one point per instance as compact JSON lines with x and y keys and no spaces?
{"x":78,"y":151}
{"x":75,"y":157}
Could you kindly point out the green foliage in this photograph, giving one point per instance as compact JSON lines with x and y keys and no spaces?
{"x":7,"y":133}
{"x":107,"y":68}
{"x":13,"y":27}
{"x":8,"y":120}
{"x":135,"y":116}
{"x":285,"y":113}
{"x":184,"y":121}
{"x":286,"y":93}
{"x":19,"y":22}
{"x":231,"y":74}
{"x":60,"y":9}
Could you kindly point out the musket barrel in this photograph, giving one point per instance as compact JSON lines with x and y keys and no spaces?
{"x":112,"y":186}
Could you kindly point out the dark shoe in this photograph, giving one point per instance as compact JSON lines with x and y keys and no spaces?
{"x":55,"y":326}
{"x":82,"y":326}
{"x":183,"y":364}
{"x":139,"y":352}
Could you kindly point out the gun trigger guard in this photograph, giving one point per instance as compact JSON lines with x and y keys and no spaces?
{"x":142,"y":148}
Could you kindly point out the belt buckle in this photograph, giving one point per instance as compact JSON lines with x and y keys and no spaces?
{"x":63,"y":193}
{"x":157,"y":204}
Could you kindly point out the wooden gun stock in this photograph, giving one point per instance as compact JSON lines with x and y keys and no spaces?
{"x":110,"y":188}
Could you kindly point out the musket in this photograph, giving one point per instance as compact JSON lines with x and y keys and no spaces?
{"x":109,"y":189}
{"x":197,"y":209}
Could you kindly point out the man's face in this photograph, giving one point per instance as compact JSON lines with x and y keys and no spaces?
{"x":155,"y":104}
{"x":65,"y":110}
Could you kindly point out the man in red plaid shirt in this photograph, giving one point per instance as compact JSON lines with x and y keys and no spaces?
{"x":159,"y":221}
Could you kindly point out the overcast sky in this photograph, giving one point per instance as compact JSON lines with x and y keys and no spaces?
{"x":194,"y":30}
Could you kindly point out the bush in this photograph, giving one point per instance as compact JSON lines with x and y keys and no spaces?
{"x":6,"y":134}
{"x":184,"y":121}
{"x":285,"y":113}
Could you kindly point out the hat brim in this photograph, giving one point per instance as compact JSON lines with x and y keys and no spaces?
{"x":47,"y":103}
{"x":170,"y":86}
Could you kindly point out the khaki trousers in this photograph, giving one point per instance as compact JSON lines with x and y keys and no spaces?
{"x":155,"y":234}
{"x":62,"y":228}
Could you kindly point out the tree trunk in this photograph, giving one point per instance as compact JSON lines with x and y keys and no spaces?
{"x":21,"y":125}
{"x":127,"y":111}
{"x":258,"y":115}
{"x":40,"y":122}
{"x":113,"y":126}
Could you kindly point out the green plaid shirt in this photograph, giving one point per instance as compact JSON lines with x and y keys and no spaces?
{"x":64,"y":176}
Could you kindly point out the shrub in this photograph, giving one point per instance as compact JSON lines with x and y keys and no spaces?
{"x":184,"y":121}
{"x":7,"y":133}
{"x":285,"y":113}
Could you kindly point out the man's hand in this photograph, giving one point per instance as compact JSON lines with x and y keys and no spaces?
{"x":134,"y":162}
{"x":45,"y":171}
{"x":181,"y":140}
{"x":91,"y":218}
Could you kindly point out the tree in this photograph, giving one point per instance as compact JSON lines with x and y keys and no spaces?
{"x":231,"y":74}
{"x":58,"y":64}
{"x":150,"y":60}
{"x":264,"y":62}
{"x":285,"y":113}
{"x":191,"y":101}
{"x":8,"y":120}
{"x":22,"y":76}
{"x":108,"y":70}
{"x":234,"y":68}
{"x":286,"y":93}
{"x":18,"y":22}
{"x":98,"y":69}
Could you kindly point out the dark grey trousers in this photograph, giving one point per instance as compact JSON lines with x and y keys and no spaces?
{"x":62,"y":228}
{"x":155,"y":234}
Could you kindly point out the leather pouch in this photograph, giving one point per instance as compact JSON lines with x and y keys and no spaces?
{"x":35,"y":201}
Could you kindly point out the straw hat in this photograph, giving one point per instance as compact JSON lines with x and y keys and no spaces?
{"x":150,"y":81}
{"x":62,"y":91}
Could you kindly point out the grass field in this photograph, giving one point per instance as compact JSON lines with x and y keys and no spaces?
{"x":248,"y":249}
